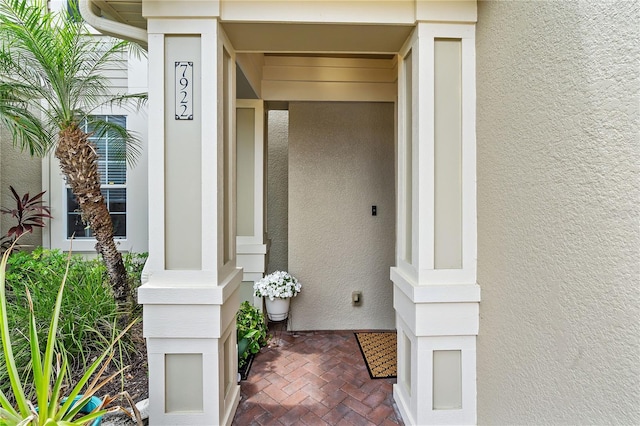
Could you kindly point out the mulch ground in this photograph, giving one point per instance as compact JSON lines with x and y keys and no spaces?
{"x":135,"y":379}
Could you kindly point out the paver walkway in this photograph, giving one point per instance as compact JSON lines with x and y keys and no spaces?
{"x":314,"y":378}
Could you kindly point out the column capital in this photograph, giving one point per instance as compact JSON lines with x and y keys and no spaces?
{"x":180,"y":9}
{"x":447,"y":11}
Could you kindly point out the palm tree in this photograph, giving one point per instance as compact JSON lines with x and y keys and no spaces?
{"x":51,"y":81}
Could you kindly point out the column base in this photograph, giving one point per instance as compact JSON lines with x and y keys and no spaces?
{"x":437,"y":332}
{"x":189,"y":325}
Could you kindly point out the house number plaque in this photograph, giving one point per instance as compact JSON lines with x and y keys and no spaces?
{"x":184,"y":90}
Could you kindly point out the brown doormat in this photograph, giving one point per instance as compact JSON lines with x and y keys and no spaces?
{"x":379,"y":353}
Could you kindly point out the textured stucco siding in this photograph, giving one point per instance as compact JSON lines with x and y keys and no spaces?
{"x":341,"y":162}
{"x":278,"y":190}
{"x":24,"y":173}
{"x":558,"y":206}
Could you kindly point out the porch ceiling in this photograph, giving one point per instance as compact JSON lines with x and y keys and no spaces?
{"x":328,"y":38}
{"x":280,"y":37}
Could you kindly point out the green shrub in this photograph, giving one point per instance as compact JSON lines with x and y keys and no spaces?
{"x":89,"y":318}
{"x":134,"y":263}
{"x":43,"y":397}
{"x":252,"y":332}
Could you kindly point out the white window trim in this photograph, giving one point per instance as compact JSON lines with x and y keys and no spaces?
{"x":136,"y":210}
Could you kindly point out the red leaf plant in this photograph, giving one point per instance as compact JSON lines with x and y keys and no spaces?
{"x":29,"y":212}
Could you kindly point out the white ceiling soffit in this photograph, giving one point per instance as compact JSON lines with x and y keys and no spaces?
{"x":299,"y":38}
{"x":118,"y":18}
{"x":128,"y":12}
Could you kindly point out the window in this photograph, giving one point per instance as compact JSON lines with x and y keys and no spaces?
{"x":112,"y":167}
{"x":73,"y":11}
{"x":124,"y":183}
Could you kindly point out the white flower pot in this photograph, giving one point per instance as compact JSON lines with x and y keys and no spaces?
{"x":277,"y":309}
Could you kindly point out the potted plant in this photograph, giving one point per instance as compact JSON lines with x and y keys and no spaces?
{"x":277,"y":288}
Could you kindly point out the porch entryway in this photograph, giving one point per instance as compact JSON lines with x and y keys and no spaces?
{"x":315,"y":378}
{"x":194,"y":278}
{"x":331,"y":196}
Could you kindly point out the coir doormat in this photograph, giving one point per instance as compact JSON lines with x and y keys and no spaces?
{"x":379,"y":352}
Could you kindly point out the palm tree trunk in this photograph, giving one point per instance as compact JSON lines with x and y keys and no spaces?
{"x":79,"y":163}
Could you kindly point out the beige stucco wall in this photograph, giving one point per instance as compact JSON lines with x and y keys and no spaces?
{"x":24,"y":173}
{"x":558,"y":208}
{"x":278,"y":190}
{"x":341,"y":162}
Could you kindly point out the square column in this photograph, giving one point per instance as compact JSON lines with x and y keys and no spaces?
{"x":251,"y":248}
{"x":190,"y":296}
{"x":436,"y":297}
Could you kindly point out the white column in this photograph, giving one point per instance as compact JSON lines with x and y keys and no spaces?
{"x":436,"y":297}
{"x":190,"y":296}
{"x":250,"y":147}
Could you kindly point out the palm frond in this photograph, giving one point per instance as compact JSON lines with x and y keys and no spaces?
{"x":26,"y":128}
{"x":56,"y":69}
{"x":30,"y":36}
{"x":125,"y":143}
{"x":129,"y":100}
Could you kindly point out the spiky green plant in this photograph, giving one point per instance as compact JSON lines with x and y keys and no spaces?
{"x":89,"y":317}
{"x":51,"y":407}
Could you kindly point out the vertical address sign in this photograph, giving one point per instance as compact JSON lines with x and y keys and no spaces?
{"x":184,"y":90}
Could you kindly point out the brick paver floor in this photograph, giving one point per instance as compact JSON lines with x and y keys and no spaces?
{"x":314,"y":378}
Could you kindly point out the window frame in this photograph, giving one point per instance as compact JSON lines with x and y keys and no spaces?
{"x":103,"y":186}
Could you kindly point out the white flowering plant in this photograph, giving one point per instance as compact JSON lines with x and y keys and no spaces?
{"x":279,"y":284}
